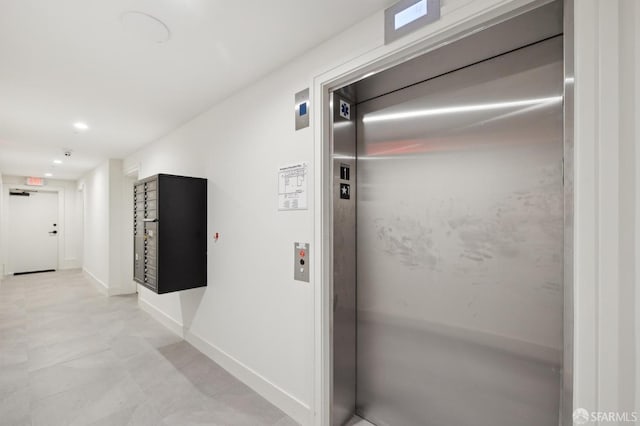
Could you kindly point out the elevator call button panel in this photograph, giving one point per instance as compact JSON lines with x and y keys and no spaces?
{"x":301,"y":262}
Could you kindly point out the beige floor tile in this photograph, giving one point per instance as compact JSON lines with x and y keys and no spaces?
{"x":71,"y":356}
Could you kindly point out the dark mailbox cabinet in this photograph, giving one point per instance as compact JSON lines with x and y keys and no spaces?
{"x":170,"y":233}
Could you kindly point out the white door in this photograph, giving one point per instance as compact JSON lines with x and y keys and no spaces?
{"x":33,"y":232}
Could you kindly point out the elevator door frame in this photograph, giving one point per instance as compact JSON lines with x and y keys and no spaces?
{"x":382,"y":59}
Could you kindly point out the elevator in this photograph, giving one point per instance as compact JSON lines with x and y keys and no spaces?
{"x":448,"y":224}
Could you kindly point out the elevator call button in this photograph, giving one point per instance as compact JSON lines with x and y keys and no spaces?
{"x":301,"y":262}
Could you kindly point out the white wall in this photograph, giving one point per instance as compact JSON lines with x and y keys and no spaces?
{"x":70,"y":230}
{"x":2,"y":263}
{"x":95,"y":188}
{"x":607,"y":199}
{"x":253,"y":314}
{"x":258,"y":322}
{"x":253,"y":318}
{"x":106,"y":211}
{"x":120,"y":230}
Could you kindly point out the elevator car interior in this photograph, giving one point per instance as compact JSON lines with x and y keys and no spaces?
{"x":448,"y":221}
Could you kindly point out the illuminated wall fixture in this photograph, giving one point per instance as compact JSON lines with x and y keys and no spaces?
{"x":370,"y":118}
{"x":407,"y":16}
{"x":410,"y":14}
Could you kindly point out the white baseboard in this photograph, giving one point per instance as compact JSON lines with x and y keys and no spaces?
{"x":357,"y":421}
{"x":292,"y":406}
{"x":123,"y":289}
{"x":161,"y":317}
{"x":119,"y":291}
{"x":98,"y":284}
{"x":71,"y":263}
{"x":104,"y":289}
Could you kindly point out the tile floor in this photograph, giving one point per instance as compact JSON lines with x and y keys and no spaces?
{"x":71,"y":356}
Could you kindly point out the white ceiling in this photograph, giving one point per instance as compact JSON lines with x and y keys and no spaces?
{"x":63,"y":61}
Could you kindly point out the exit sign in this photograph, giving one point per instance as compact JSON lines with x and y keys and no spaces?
{"x":35,"y":181}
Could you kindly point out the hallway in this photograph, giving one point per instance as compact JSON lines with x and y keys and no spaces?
{"x":71,"y":356}
{"x":320,"y":213}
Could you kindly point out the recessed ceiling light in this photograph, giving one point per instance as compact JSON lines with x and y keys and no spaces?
{"x":81,"y":126}
{"x":57,"y":161}
{"x":48,"y":174}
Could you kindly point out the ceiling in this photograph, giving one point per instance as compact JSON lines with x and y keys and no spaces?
{"x":65,"y":61}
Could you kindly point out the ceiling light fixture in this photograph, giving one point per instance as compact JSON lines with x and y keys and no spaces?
{"x":81,"y":126}
{"x":48,"y":174}
{"x":57,"y":161}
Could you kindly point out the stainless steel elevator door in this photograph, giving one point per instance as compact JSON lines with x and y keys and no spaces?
{"x":459,"y":246}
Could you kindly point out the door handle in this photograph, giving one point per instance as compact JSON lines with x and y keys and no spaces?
{"x":149,"y":220}
{"x":54,"y":232}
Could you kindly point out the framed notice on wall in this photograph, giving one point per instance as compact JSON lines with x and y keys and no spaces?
{"x":292,"y":186}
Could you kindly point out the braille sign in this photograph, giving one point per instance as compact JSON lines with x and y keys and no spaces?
{"x":345,"y":191}
{"x":344,"y":172}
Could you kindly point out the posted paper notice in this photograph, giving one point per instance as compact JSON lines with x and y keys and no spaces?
{"x":292,"y":187}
